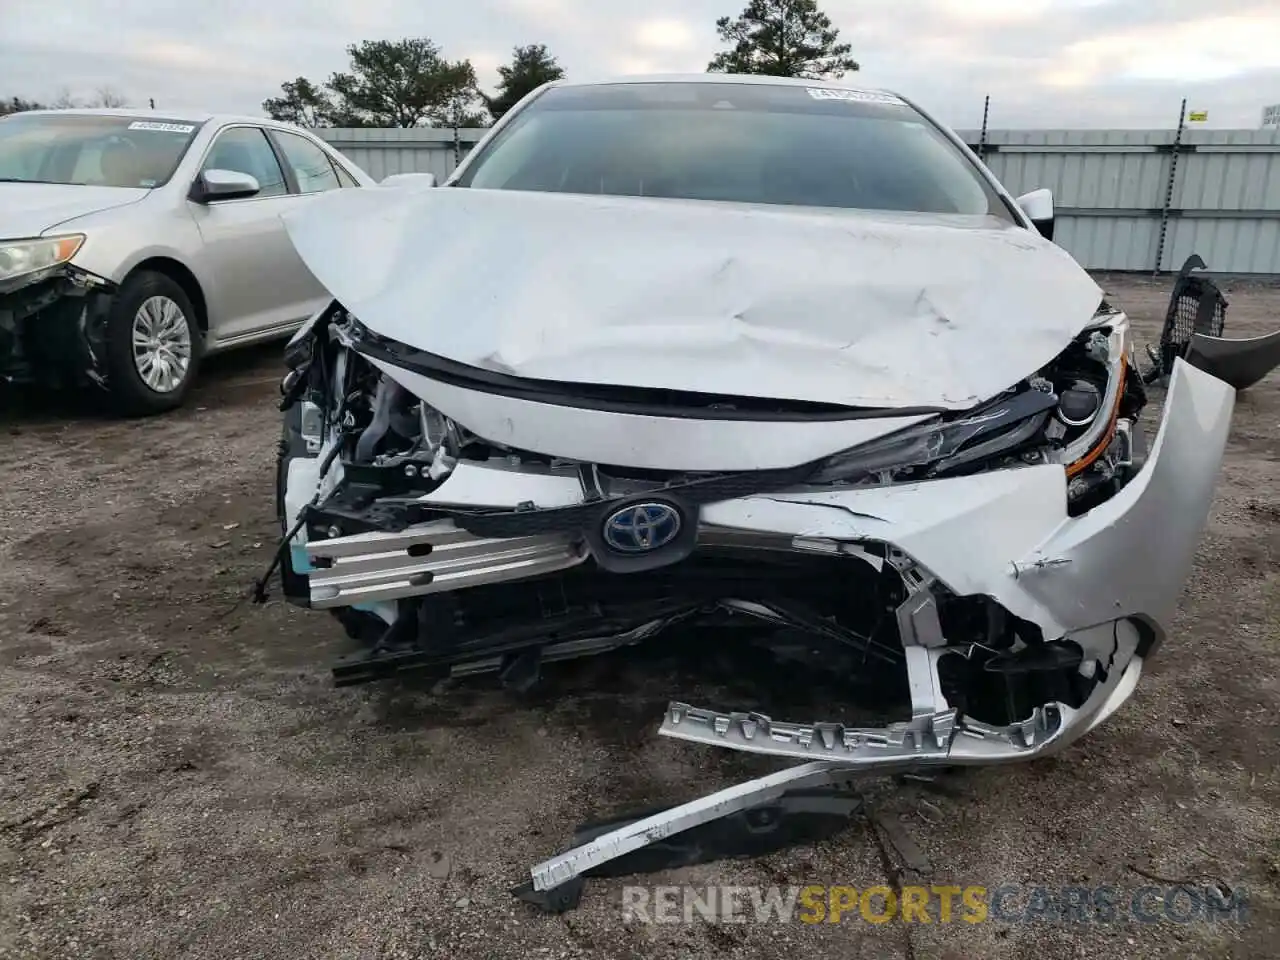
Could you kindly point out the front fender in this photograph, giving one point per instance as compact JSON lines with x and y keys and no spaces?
{"x":117,"y":241}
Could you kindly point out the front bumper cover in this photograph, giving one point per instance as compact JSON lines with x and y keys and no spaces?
{"x":1241,"y":363}
{"x":1105,"y":581}
{"x":52,"y":325}
{"x":1140,"y":546}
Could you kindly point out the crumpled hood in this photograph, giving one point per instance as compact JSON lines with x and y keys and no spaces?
{"x":30,"y":209}
{"x":845,"y":307}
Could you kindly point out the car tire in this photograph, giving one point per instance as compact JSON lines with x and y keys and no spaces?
{"x":151,"y":307}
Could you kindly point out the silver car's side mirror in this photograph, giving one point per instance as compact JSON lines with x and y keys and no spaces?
{"x":1038,"y":206}
{"x":213,"y":185}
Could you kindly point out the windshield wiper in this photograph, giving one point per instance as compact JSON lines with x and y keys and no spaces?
{"x":22,"y":180}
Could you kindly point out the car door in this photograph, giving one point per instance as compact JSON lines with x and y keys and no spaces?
{"x":260,"y":284}
{"x":311,"y":170}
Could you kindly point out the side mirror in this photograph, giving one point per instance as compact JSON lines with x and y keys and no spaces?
{"x":215,"y":185}
{"x":409,"y":180}
{"x":1038,"y":206}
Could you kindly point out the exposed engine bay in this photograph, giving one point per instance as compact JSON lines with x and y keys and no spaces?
{"x":515,"y":586}
{"x":1080,"y":411}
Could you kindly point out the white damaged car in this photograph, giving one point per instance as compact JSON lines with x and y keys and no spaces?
{"x":776,"y":353}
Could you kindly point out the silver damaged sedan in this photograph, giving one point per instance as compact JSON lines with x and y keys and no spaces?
{"x":134,"y":243}
{"x":777,"y":355}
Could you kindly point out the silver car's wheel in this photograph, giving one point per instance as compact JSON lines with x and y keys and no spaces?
{"x":161,"y":344}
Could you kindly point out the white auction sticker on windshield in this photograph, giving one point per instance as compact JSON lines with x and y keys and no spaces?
{"x":161,"y":127}
{"x":854,"y":96}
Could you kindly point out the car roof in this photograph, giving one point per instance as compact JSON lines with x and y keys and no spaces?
{"x":185,"y":116}
{"x":725,"y":78}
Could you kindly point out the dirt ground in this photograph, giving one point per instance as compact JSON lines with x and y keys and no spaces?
{"x":178,"y":777}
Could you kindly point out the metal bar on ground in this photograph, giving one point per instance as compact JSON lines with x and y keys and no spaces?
{"x":617,"y":843}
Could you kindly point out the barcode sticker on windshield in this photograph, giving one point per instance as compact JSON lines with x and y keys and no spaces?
{"x":162,"y":127}
{"x":856,"y":96}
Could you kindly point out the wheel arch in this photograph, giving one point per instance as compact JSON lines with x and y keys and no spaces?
{"x":180,"y":274}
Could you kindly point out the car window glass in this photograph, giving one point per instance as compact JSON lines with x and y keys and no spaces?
{"x":90,"y":149}
{"x":310,"y":164}
{"x":732,"y":142}
{"x":88,"y":164}
{"x":247,"y":150}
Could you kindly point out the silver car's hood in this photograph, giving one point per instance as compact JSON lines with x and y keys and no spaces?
{"x":30,"y":209}
{"x":854,"y":308}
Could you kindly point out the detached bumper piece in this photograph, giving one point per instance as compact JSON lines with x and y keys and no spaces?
{"x":1241,"y":363}
{"x":1193,"y":330}
{"x":836,"y":756}
{"x":797,"y":816}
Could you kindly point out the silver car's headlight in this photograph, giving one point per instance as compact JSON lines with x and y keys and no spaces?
{"x":18,"y":258}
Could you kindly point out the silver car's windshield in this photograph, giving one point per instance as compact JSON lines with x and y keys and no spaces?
{"x":92,"y":150}
{"x":748,"y":143}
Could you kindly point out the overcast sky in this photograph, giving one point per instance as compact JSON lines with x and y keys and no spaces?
{"x":1045,"y":63}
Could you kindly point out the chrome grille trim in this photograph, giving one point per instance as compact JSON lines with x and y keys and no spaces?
{"x":372,"y":567}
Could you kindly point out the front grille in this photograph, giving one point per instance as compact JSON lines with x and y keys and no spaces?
{"x":433,"y":558}
{"x":842,"y":592}
{"x":1195,"y":306}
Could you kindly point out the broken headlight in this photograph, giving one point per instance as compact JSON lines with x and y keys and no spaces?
{"x":1075,"y":411}
{"x":1093,"y":432}
{"x":1000,"y":429}
{"x":1089,"y":378}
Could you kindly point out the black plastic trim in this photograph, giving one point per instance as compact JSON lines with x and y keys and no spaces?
{"x":1150,"y":638}
{"x":638,"y":401}
{"x":290,"y":175}
{"x":358,"y":506}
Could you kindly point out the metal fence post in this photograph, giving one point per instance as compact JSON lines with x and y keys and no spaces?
{"x":1168,"y":191}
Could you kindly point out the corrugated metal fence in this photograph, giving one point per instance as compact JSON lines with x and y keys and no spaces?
{"x":1111,"y":188}
{"x":381,"y":153}
{"x":1127,"y":199}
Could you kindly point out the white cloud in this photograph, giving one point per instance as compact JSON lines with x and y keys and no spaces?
{"x":665,"y":35}
{"x":628,"y":66}
{"x":1210,"y":48}
{"x":990,"y":12}
{"x":1044,"y":62}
